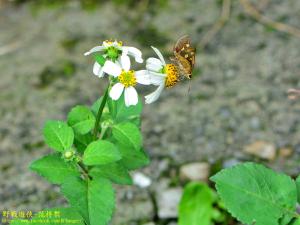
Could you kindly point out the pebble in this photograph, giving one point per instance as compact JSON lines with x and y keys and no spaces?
{"x":141,"y":180}
{"x":195,"y":172}
{"x":167,"y":202}
{"x":285,"y":152}
{"x":262,"y":149}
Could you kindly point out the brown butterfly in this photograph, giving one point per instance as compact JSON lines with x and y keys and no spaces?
{"x":184,"y":56}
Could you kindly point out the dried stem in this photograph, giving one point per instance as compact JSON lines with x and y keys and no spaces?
{"x":253,"y":12}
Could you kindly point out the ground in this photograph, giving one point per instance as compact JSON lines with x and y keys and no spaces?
{"x":236,"y":97}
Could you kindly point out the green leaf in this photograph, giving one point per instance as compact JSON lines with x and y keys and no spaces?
{"x":285,"y":219}
{"x":54,"y":216}
{"x":298,"y":188}
{"x":81,"y":119}
{"x":116,"y":172}
{"x":196,"y":205}
{"x":128,"y":134}
{"x":132,"y":159}
{"x":94,"y":200}
{"x":58,"y":135}
{"x":54,"y":168}
{"x":121,"y":113}
{"x":100,"y":152}
{"x":101,"y":201}
{"x":252,"y":192}
{"x":295,"y":222}
{"x":82,"y":141}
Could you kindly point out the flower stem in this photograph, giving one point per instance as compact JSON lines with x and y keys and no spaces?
{"x":100,"y":111}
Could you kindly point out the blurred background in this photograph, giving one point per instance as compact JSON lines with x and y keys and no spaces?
{"x":248,"y":56}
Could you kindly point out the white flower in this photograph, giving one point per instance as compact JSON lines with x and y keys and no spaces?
{"x":127,"y":79}
{"x":111,"y":52}
{"x":161,"y":75}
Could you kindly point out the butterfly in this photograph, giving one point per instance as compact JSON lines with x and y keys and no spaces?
{"x":184,"y":56}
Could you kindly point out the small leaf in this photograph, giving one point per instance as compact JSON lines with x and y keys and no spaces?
{"x":128,"y":134}
{"x":250,"y":190}
{"x":82,"y":141}
{"x":81,"y":119}
{"x":100,"y":152}
{"x":121,"y":113}
{"x":116,"y":172}
{"x":196,"y":205}
{"x":55,"y":216}
{"x":94,"y":200}
{"x":58,"y":135}
{"x":54,"y":168}
{"x":132,"y":159}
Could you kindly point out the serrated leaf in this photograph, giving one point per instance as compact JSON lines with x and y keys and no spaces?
{"x":81,"y":119}
{"x":132,"y":159}
{"x":94,"y":200}
{"x":76,"y":192}
{"x":115,"y":172}
{"x":58,"y":135}
{"x":54,"y":168}
{"x":252,"y":192}
{"x":82,"y":141}
{"x":101,"y":201}
{"x":128,"y":134}
{"x":121,"y":113}
{"x":196,"y":205}
{"x":53,"y":216}
{"x":101,"y":152}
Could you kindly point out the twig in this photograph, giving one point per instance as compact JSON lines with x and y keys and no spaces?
{"x":253,"y":12}
{"x":225,"y":14}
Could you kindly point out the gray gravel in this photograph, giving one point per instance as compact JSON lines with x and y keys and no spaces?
{"x":237,"y":96}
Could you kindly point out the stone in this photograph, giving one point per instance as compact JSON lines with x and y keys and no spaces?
{"x":195,"y":172}
{"x":141,"y":180}
{"x":167,"y":202}
{"x":285,"y":152}
{"x":262,"y":149}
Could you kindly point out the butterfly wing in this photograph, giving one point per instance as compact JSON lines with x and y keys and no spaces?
{"x":185,"y":55}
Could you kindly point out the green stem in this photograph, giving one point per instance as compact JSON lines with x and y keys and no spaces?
{"x":100,"y":111}
{"x":84,"y":169}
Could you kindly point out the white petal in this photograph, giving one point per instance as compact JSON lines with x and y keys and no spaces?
{"x":154,"y":95}
{"x":143,"y":77}
{"x":132,"y":51}
{"x":160,"y":56}
{"x":157,"y":78}
{"x":141,"y":180}
{"x":98,"y":70}
{"x":106,"y":44}
{"x":112,"y":68}
{"x":95,"y":49}
{"x":154,"y":64}
{"x":131,"y":96}
{"x":125,"y":62}
{"x":116,"y":91}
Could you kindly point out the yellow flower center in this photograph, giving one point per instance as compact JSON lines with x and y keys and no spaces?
{"x":172,"y":75}
{"x":120,"y":43}
{"x":127,"y":78}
